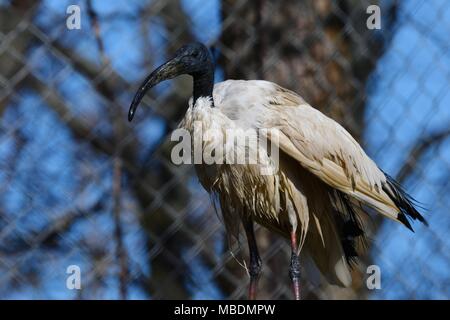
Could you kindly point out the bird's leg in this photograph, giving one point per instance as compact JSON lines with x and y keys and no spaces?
{"x":255,"y":260}
{"x":294,"y":268}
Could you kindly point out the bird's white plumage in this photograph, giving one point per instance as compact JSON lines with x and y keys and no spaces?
{"x":317,"y":156}
{"x":319,"y":143}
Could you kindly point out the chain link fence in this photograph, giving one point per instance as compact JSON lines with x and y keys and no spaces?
{"x":83,"y":190}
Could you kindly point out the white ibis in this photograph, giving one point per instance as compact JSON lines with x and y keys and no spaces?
{"x":324,"y":182}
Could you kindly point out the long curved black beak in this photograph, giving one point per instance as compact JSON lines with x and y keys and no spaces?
{"x":167,"y":71}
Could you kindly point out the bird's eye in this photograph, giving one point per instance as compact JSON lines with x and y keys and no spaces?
{"x":195,"y":54}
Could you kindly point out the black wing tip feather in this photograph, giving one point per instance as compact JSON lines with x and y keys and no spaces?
{"x":351,"y":228}
{"x":404,"y":220}
{"x":404,"y":202}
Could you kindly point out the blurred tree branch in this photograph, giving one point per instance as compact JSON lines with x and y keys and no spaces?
{"x":49,"y":236}
{"x":422,"y":145}
{"x":79,"y":128}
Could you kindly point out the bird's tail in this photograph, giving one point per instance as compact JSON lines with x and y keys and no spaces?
{"x":325,"y":247}
{"x":404,"y":202}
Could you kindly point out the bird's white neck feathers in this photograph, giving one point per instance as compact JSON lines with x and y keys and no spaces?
{"x":203,"y":111}
{"x":202,"y":102}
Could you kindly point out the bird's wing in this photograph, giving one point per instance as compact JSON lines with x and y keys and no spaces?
{"x":326,"y":149}
{"x":317,"y":142}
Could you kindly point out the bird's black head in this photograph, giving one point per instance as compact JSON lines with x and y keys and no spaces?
{"x":193,"y":59}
